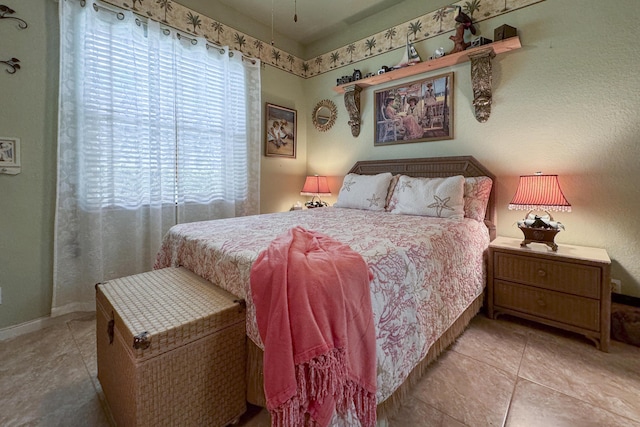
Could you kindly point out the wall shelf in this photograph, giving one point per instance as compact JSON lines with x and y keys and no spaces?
{"x":498,"y":47}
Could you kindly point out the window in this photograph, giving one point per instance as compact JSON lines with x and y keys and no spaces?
{"x":165,"y":121}
{"x":155,"y":128}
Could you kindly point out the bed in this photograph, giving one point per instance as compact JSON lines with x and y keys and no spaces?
{"x":420,"y":307}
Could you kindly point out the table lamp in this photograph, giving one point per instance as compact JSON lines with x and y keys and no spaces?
{"x":315,"y":186}
{"x":539,"y":192}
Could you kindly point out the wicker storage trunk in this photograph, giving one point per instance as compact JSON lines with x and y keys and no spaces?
{"x":171,"y":350}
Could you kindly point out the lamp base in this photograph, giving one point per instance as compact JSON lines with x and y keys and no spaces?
{"x":315,"y":204}
{"x":539,"y":235}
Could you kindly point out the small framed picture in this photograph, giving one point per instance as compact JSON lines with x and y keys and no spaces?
{"x":280,"y":135}
{"x":9,"y":155}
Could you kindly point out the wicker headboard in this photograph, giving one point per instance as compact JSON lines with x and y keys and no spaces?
{"x":435,"y":167}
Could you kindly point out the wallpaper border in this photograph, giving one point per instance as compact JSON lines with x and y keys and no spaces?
{"x":423,"y":27}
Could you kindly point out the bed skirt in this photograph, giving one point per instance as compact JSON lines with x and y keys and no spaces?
{"x":386,"y":409}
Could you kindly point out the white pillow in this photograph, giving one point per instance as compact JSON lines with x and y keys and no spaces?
{"x":437,"y":197}
{"x":364,"y":191}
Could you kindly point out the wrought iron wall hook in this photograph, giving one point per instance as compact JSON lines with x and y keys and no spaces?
{"x":5,"y":10}
{"x":12,"y":65}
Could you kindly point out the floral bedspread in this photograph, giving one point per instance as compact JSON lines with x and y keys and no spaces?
{"x":427,"y":271}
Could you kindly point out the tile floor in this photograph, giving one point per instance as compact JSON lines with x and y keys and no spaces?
{"x":498,"y":373}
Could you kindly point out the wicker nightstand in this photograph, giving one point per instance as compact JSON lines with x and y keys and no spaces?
{"x":568,"y":289}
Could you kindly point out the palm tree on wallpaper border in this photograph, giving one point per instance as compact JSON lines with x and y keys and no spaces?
{"x":471,"y":7}
{"x":239,"y":40}
{"x":166,"y":5}
{"x":390,"y":34}
{"x":258,"y":45}
{"x":335,"y":57}
{"x":415,"y":28}
{"x":218,"y":28}
{"x":370,"y":44}
{"x":134,"y":4}
{"x":194,"y":20}
{"x":350,"y":49}
{"x":275,"y":54}
{"x":319,"y":63}
{"x":439,"y":16}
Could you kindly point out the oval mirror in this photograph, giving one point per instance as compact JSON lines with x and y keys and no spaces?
{"x":324,"y":115}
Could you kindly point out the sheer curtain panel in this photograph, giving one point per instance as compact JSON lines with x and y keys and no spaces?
{"x":155,"y":128}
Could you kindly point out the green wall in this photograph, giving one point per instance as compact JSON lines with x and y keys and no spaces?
{"x":27,"y":200}
{"x":565,"y":103}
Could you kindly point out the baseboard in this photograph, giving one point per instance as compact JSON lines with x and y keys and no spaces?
{"x":38,"y":324}
{"x":74,"y":307}
{"x":625,"y":299}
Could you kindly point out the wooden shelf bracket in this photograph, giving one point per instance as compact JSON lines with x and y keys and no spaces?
{"x":352,"y":103}
{"x":481,"y":83}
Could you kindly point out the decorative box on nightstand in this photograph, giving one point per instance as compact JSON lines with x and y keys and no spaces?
{"x":568,"y":289}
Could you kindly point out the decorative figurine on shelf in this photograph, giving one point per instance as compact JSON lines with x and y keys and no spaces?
{"x":463,"y":22}
{"x":410,"y":56}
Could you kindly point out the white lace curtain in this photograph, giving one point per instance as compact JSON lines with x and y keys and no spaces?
{"x":155,"y":129}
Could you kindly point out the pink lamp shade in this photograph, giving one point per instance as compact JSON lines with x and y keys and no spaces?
{"x":315,"y":186}
{"x":539,"y":192}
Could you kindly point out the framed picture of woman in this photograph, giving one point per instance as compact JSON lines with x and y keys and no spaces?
{"x":414,"y":112}
{"x":280,"y":135}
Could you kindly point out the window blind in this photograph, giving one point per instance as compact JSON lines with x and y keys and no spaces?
{"x":164,"y":122}
{"x":153,"y":130}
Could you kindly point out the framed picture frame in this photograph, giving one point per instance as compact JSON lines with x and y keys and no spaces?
{"x":281,"y":131}
{"x":414,"y":112}
{"x":9,"y":155}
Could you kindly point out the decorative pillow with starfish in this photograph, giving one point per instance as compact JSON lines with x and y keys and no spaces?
{"x":436,"y":197}
{"x":367,"y":192}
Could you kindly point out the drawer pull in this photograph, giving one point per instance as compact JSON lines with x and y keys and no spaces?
{"x":541,"y":302}
{"x":542,"y":273}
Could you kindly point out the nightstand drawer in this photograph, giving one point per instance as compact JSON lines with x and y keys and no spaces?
{"x":575,"y":279}
{"x":569,"y":309}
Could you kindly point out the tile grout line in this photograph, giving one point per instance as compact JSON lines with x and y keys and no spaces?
{"x":97,"y":388}
{"x":530,"y":334}
{"x":515,"y":384}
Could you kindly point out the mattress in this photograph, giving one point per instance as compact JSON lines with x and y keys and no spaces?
{"x":427,"y":271}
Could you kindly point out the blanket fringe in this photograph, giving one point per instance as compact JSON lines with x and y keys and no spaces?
{"x":388,"y":408}
{"x":323,"y":376}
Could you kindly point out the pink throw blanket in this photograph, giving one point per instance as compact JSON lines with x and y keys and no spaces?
{"x":313,"y":309}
